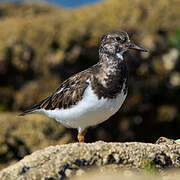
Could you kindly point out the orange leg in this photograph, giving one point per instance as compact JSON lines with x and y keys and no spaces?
{"x":81,"y":136}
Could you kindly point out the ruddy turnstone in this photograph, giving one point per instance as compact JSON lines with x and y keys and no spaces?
{"x":92,"y":96}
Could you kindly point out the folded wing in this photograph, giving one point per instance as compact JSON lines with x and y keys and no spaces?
{"x":68,"y":94}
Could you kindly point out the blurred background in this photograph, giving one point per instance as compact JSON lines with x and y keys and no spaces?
{"x":44,"y":42}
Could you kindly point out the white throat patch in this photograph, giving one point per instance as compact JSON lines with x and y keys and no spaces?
{"x":120,"y":55}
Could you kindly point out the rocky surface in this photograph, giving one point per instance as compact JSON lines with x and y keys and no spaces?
{"x":58,"y":162}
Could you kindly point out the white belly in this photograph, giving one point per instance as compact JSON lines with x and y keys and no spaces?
{"x":87,"y":112}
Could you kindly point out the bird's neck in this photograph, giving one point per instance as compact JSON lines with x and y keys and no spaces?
{"x":111,"y":67}
{"x":112,"y":73}
{"x":111,"y":62}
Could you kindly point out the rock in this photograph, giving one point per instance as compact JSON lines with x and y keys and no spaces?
{"x":58,"y":162}
{"x":166,"y":141}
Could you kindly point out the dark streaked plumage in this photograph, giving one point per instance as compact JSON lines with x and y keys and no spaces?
{"x":103,"y":85}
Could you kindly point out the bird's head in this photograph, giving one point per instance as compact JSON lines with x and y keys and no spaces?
{"x":116,"y":43}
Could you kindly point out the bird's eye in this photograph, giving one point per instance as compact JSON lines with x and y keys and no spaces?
{"x":118,"y":38}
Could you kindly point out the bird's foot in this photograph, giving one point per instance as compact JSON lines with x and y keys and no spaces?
{"x":81,"y":136}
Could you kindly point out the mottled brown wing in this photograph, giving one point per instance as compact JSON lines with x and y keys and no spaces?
{"x":67,"y":97}
{"x":69,"y":93}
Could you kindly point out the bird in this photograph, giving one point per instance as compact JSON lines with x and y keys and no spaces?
{"x":92,"y":96}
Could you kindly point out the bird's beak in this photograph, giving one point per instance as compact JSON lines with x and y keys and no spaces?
{"x":135,"y":47}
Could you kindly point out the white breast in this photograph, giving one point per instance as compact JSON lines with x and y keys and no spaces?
{"x":87,"y":112}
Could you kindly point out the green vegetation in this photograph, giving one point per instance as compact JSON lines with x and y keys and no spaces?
{"x":149,"y":168}
{"x":174,"y":39}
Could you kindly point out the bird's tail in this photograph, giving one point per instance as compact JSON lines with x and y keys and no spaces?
{"x":29,"y":111}
{"x":35,"y":108}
